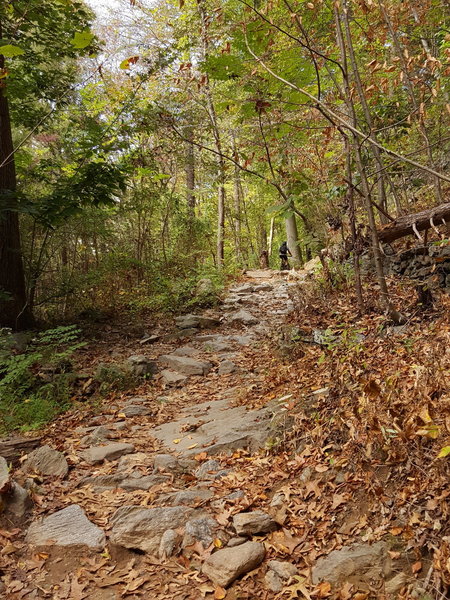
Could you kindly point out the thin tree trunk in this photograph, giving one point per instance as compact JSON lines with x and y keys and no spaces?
{"x":14,"y":309}
{"x":385,"y":301}
{"x":221,"y":198}
{"x":351,"y":205}
{"x":237,"y":192}
{"x":190,"y":174}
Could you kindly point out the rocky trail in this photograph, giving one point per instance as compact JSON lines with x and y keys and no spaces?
{"x":171,"y":493}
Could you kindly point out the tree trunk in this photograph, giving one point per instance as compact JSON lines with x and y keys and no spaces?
{"x":413,"y":223}
{"x":237,"y":192}
{"x":190,"y":174}
{"x":385,"y":301}
{"x":221,"y":196}
{"x":14,"y":309}
{"x":292,"y":240}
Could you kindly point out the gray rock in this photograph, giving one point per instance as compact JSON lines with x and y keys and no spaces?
{"x":201,"y":530}
{"x":170,"y":541}
{"x":46,"y":461}
{"x":17,"y":501}
{"x":244,"y":317}
{"x":246,"y":288}
{"x":98,"y":454}
{"x":167,"y":462}
{"x":136,"y":410}
{"x":186,"y":365}
{"x":243,"y":340}
{"x":120,"y":425}
{"x":253,"y":522}
{"x":142,"y":528}
{"x":185,"y":351}
{"x":5,"y":483}
{"x":273,"y":582}
{"x":191,"y":321}
{"x":283,"y":569}
{"x":141,"y":366}
{"x":226,"y":367}
{"x":100,"y":483}
{"x":226,"y":565}
{"x":361,"y":560}
{"x":188,"y":497}
{"x":171,"y":378}
{"x":67,"y":527}
{"x":208,"y":469}
{"x":236,"y":495}
{"x":216,"y":347}
{"x":236,"y":541}
{"x":263,"y":287}
{"x":129,"y":462}
{"x":97,"y":435}
{"x":179,"y":335}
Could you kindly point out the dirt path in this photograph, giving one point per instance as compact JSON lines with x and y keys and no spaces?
{"x":135,"y":500}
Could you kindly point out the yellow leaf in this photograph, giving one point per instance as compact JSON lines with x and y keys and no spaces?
{"x":218,"y":543}
{"x":425,"y":415}
{"x":445,"y":451}
{"x":220,"y":593}
{"x":177,"y":441}
{"x":122,"y":415}
{"x":192,"y":446}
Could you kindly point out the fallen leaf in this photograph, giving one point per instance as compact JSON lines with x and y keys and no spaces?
{"x":220,"y":593}
{"x":417,"y":566}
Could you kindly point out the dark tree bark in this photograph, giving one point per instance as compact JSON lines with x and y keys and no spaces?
{"x":14,"y":309}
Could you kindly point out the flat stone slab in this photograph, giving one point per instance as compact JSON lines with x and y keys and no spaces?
{"x":67,"y":527}
{"x":98,"y":454}
{"x":244,"y":317}
{"x":216,"y":427}
{"x":185,"y":364}
{"x":173,"y":378}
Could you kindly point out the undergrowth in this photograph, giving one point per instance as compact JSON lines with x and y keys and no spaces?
{"x":35,"y":382}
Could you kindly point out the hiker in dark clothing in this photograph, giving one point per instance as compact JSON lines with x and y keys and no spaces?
{"x":283,"y":252}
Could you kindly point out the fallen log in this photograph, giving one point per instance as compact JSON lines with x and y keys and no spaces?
{"x":412,"y":224}
{"x":12,"y":449}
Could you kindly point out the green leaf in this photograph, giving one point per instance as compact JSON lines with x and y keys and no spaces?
{"x":9,"y":51}
{"x":83,"y":39}
{"x":444,"y":452}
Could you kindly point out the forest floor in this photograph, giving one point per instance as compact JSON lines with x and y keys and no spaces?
{"x":301,"y":434}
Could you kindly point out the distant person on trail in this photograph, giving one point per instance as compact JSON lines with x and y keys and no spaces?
{"x":283,"y":252}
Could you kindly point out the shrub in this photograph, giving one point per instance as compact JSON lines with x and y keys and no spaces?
{"x":35,"y":384}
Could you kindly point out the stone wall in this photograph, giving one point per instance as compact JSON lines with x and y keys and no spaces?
{"x":422,"y":263}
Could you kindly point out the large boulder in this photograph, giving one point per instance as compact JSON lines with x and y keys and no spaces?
{"x":98,"y":454}
{"x":46,"y":461}
{"x":361,"y":561}
{"x":141,"y":528}
{"x":225,"y":566}
{"x":67,"y":527}
{"x":186,"y":365}
{"x":254,"y":522}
